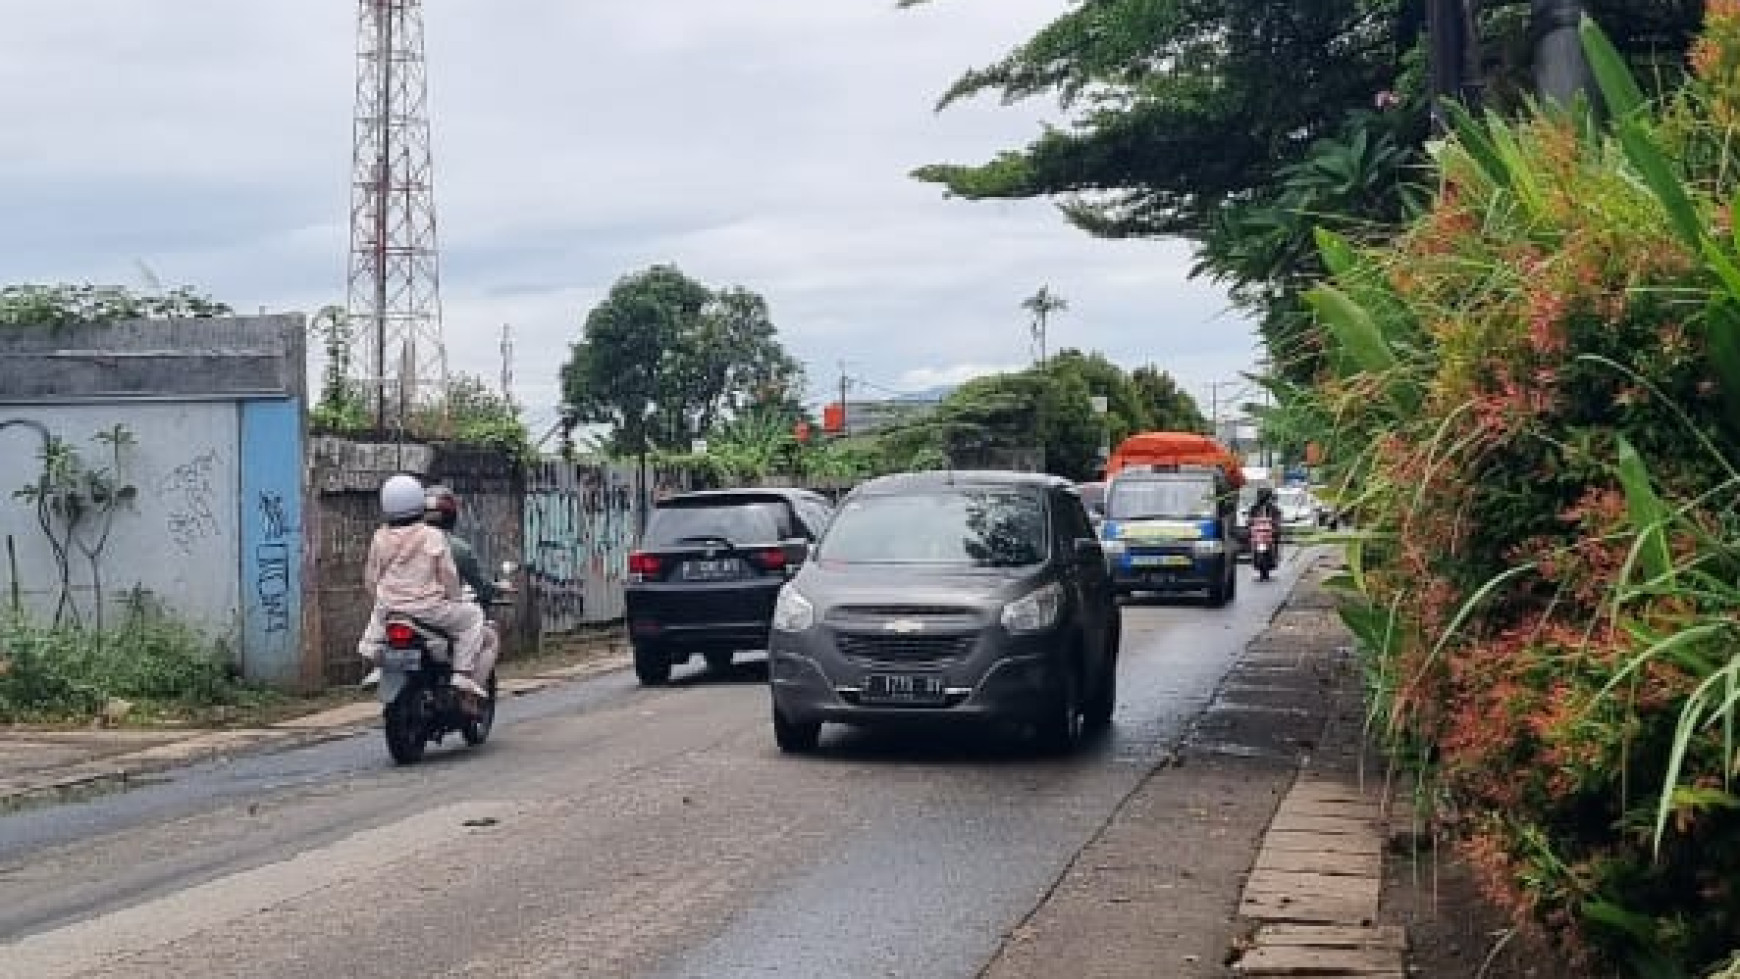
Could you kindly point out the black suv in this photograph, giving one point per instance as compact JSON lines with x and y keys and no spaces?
{"x":962,"y":596}
{"x":708,"y":570}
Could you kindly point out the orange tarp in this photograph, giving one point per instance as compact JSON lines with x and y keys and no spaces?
{"x":1177,"y":449}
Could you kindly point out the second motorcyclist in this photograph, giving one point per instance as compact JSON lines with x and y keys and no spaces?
{"x":441,"y":510}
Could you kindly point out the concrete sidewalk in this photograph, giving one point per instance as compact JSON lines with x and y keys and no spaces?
{"x":1254,"y":851}
{"x":47,"y":766}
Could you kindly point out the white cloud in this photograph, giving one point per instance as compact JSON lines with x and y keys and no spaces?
{"x":763,"y":144}
{"x":924,"y":378}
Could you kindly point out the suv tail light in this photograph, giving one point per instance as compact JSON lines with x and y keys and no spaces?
{"x":400,"y":635}
{"x":643,"y":565}
{"x":769,"y":559}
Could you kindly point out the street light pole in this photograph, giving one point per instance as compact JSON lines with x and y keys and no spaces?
{"x":1561,"y":71}
{"x":1454,"y":57}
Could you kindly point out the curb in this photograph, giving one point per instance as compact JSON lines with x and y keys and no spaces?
{"x":115,"y":774}
{"x":1314,"y":889}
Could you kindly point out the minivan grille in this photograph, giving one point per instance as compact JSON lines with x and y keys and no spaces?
{"x":903,"y":650}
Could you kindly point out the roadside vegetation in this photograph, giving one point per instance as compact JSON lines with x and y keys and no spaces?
{"x":145,"y":670}
{"x":1533,"y":397}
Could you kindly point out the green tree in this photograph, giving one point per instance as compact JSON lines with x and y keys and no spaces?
{"x":1043,"y":305}
{"x":1127,"y":411}
{"x":664,"y":360}
{"x":1026,"y":410}
{"x":1239,"y":125}
{"x":1170,"y":407}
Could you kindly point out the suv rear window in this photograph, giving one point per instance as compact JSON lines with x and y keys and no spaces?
{"x":746,"y":521}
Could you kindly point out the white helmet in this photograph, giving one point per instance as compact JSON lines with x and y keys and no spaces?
{"x":402,"y":498}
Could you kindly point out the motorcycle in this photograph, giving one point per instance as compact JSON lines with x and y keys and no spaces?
{"x":1263,"y":557}
{"x":420,"y":702}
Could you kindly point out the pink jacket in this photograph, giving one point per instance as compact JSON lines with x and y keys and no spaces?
{"x":411,"y":568}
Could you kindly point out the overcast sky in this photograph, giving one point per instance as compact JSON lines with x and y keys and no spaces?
{"x":762,"y":143}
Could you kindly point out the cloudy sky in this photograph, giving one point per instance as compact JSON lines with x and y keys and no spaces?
{"x":758,"y":142}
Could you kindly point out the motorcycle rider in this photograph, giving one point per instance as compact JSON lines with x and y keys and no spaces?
{"x":441,"y":510}
{"x":1266,"y":506}
{"x":410,"y":570}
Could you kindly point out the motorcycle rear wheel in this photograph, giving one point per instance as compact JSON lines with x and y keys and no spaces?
{"x":406,"y":738}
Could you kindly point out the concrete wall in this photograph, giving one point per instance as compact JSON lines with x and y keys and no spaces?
{"x":346,"y":476}
{"x":212,"y":530}
{"x":581,"y":523}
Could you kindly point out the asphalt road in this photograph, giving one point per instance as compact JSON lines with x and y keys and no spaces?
{"x":606,"y":830}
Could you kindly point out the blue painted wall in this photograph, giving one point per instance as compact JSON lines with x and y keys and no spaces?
{"x":271,"y":539}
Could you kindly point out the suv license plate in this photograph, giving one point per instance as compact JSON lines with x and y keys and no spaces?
{"x":721,"y":569}
{"x":906,"y":689}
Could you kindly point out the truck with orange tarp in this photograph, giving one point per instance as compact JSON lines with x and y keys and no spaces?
{"x":1175,"y":449}
{"x":1171,"y":505}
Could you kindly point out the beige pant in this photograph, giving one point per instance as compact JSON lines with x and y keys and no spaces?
{"x":475,"y":642}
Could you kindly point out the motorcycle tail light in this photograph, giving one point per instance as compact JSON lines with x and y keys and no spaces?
{"x":400,"y":635}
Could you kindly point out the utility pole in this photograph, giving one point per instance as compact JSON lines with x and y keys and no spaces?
{"x":1454,"y":56}
{"x":1561,"y":70}
{"x":507,"y":364}
{"x":845,"y":412}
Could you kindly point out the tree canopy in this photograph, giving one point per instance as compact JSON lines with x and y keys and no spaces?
{"x":664,"y":360}
{"x":1241,"y":125}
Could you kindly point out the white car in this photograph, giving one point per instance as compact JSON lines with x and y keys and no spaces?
{"x":1298,"y":510}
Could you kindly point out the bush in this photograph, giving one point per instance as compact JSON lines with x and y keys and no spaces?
{"x":1534,"y":396}
{"x":61,"y":674}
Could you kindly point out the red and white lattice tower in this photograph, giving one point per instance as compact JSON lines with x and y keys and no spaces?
{"x":394,"y":291}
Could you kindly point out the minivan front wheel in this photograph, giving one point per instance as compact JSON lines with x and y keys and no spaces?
{"x":795,"y":737}
{"x":1060,"y":732}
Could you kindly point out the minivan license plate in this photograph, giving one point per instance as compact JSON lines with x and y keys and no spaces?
{"x":907,"y":689}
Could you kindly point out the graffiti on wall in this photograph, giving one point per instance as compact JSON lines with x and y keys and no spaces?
{"x":190,"y":501}
{"x":272,"y":563}
{"x":581,"y":524}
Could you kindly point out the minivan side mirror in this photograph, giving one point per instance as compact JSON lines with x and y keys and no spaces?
{"x":1087,"y":550}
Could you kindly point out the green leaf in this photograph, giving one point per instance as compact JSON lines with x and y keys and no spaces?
{"x":1618,"y":88}
{"x":1477,"y":142}
{"x":1658,"y":173}
{"x":1649,"y":515}
{"x":1338,"y":255}
{"x":1353,"y":327}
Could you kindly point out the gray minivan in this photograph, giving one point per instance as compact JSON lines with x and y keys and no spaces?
{"x":970,"y":596}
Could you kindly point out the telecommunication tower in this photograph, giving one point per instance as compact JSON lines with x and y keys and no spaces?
{"x":394,"y":299}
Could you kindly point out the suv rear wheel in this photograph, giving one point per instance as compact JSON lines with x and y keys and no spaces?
{"x":652,"y":665}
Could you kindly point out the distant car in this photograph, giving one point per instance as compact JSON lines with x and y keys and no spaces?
{"x":949,"y":596}
{"x":1298,"y":511}
{"x":708,"y":571}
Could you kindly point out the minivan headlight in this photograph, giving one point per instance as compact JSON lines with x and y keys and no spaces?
{"x":1035,"y":611}
{"x":1211,"y":547}
{"x":1112,"y":548}
{"x":793,"y":612}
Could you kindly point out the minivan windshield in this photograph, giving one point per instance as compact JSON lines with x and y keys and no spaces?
{"x":990,"y":528}
{"x":732,"y":522}
{"x":1160,"y":499}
